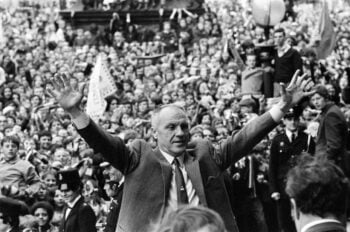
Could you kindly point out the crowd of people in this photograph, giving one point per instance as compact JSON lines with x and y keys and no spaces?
{"x":219,"y":67}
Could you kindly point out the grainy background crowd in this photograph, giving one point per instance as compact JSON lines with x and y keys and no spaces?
{"x":215,"y":65}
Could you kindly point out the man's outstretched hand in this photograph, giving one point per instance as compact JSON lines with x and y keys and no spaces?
{"x":67,"y":97}
{"x":298,"y":88}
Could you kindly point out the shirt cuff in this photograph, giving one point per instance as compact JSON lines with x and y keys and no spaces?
{"x":276,"y":113}
{"x":81,"y":121}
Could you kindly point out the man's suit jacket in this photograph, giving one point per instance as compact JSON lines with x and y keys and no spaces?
{"x":327,"y":227}
{"x":81,"y":218}
{"x":332,"y":134}
{"x":148,"y":174}
{"x":113,"y":211}
{"x":283,"y":157}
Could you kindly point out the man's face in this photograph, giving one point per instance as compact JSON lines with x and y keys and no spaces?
{"x":172,"y":131}
{"x":110,"y":189}
{"x":206,"y":120}
{"x":207,"y":134}
{"x":62,"y":156}
{"x":69,"y":195}
{"x":246,"y":109}
{"x":318,"y":101}
{"x":143,"y":107}
{"x":10,"y":150}
{"x":189,"y":100}
{"x":251,"y":61}
{"x":279,"y":39}
{"x":45,"y":142}
{"x":291,"y":124}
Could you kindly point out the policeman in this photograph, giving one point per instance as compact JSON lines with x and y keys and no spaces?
{"x":284,"y":151}
{"x":114,"y":189}
{"x":77,"y":215}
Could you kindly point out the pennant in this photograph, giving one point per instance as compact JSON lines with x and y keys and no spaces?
{"x":101,"y":86}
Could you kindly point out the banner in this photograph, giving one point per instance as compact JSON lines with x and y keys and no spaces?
{"x":326,"y":34}
{"x":101,"y":86}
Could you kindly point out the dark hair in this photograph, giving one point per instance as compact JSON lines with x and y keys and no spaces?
{"x":44,"y":133}
{"x":280,"y":30}
{"x":12,"y":138}
{"x":40,"y":98}
{"x":201,"y":116}
{"x":109,"y":102}
{"x":44,"y":205}
{"x":318,"y":186}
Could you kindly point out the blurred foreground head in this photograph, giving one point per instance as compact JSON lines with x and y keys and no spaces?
{"x":190,"y":219}
{"x":317,"y":188}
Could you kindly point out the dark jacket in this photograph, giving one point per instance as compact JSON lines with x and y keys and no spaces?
{"x":332,"y":134}
{"x":113,"y":211}
{"x":148,"y":174}
{"x":80,"y":219}
{"x":283,"y":157}
{"x":286,"y":65}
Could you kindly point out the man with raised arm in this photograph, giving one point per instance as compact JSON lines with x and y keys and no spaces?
{"x":176,"y":172}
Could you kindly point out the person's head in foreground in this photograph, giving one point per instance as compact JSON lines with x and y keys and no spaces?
{"x":318,"y":190}
{"x":190,"y":219}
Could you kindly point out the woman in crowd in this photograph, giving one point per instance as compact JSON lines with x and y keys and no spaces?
{"x":43,"y":211}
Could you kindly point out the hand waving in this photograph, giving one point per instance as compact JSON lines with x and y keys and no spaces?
{"x":298,"y":88}
{"x":67,"y":97}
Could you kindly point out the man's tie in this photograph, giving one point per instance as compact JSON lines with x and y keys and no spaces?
{"x":182,"y":197}
{"x":293,"y":137}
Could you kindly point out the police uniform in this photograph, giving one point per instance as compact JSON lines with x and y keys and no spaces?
{"x":283,"y":156}
{"x":77,"y":216}
{"x":113,"y":210}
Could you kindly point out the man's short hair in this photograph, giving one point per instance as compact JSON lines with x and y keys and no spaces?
{"x":318,"y":186}
{"x":12,"y":138}
{"x":280,"y":30}
{"x":45,"y":134}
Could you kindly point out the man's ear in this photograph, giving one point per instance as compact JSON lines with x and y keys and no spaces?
{"x":154,"y":133}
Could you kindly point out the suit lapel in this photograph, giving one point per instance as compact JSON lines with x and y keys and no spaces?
{"x":193,"y":172}
{"x":63,"y":220}
{"x":166,"y":177}
{"x":320,"y":125}
{"x":75,"y":208}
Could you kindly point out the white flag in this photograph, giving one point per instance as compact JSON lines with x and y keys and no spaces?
{"x":106,"y":82}
{"x":101,"y":85}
